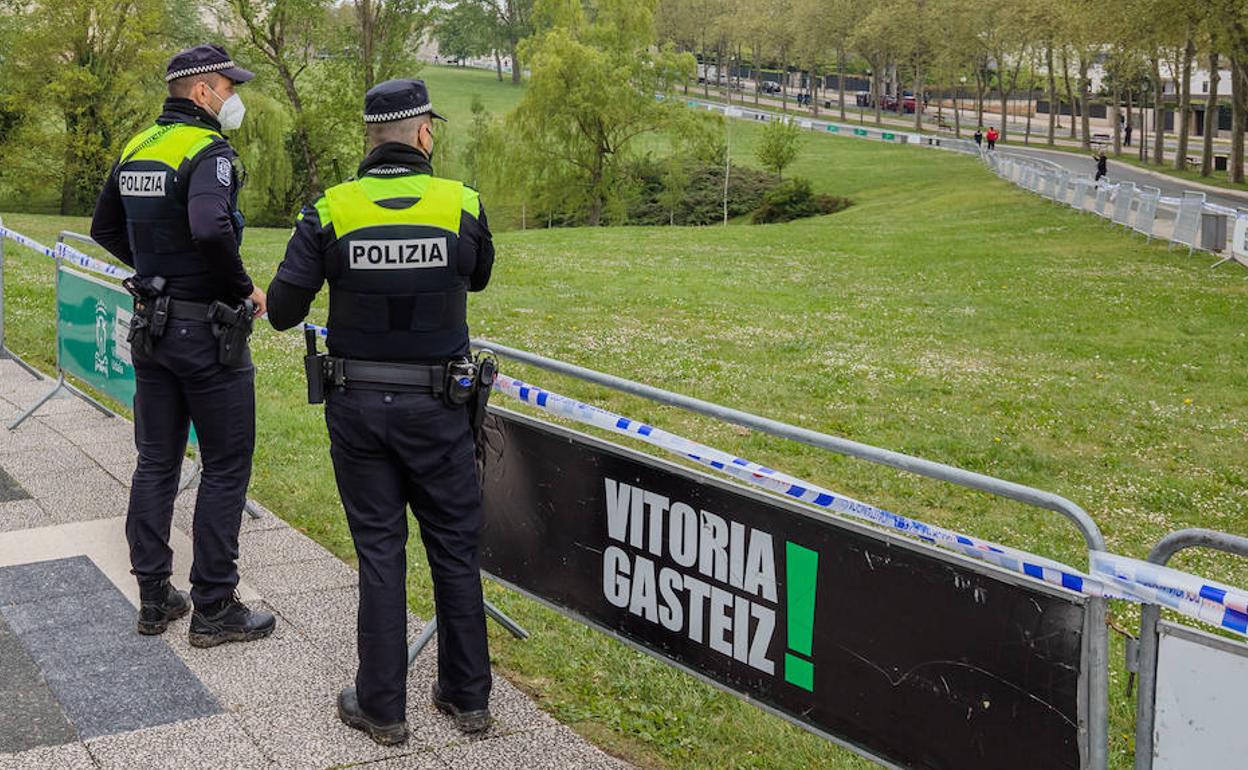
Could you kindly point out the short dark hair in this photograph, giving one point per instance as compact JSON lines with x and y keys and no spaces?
{"x":404,"y":131}
{"x":181,"y":88}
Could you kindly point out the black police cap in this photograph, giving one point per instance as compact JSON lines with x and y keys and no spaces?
{"x":203,"y":59}
{"x":397,"y":100}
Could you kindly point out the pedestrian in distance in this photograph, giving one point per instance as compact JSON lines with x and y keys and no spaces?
{"x":1127,"y":134}
{"x":979,"y":136}
{"x":169,"y":210}
{"x":992,"y":138}
{"x":1102,"y":165}
{"x":400,"y":249}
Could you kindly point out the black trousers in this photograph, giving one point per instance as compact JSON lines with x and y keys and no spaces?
{"x":181,"y":382}
{"x":391,"y":451}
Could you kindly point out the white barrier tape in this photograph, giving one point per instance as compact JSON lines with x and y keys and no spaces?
{"x":29,"y":243}
{"x":1173,"y":588}
{"x":1012,"y":559}
{"x":67,"y":253}
{"x":70,"y":254}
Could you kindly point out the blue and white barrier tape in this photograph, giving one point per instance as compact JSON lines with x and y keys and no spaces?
{"x":1188,"y":594}
{"x":68,"y":253}
{"x":29,"y":243}
{"x":1011,"y":559}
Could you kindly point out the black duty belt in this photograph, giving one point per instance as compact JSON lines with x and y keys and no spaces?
{"x":183,"y":310}
{"x":381,"y":375}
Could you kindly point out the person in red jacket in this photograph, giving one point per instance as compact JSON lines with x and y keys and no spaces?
{"x":993,"y":136}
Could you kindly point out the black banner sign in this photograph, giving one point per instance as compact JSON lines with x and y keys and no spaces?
{"x":908,"y":654}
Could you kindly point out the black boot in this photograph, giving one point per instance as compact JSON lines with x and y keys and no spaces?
{"x":385,"y":733}
{"x":229,"y":620}
{"x":159,"y":605}
{"x":467,"y":721}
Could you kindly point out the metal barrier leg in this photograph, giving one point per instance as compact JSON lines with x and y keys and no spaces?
{"x":9,"y":355}
{"x":426,"y":634}
{"x":21,"y":418}
{"x":98,"y":406}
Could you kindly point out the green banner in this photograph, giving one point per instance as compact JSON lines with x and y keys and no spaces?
{"x":888,"y":137}
{"x":834,"y":129}
{"x":92,"y":320}
{"x":860,"y":132}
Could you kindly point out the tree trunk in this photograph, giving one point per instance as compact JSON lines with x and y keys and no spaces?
{"x":877,"y":79}
{"x":1239,"y":105}
{"x":1070,"y":91}
{"x":1159,"y":117}
{"x":69,"y":174}
{"x":1054,"y":107}
{"x":1211,"y":117}
{"x":918,"y":97}
{"x":314,"y":186}
{"x":784,"y":80}
{"x":498,"y":66}
{"x":1085,"y":94}
{"x":840,"y":78}
{"x":515,"y":64}
{"x":364,"y":12}
{"x":957,"y":115}
{"x":979,"y":98}
{"x":1185,"y":101}
{"x":1115,"y":119}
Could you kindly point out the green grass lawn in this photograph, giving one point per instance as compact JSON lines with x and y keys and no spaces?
{"x":947,"y":314}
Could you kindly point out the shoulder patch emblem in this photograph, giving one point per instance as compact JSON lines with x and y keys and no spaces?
{"x":224,"y":172}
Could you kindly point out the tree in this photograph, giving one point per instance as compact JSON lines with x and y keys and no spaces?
{"x":283,"y":31}
{"x":514,"y":22}
{"x":465,"y":30}
{"x":97,"y":65}
{"x":388,"y":33}
{"x":595,"y":73}
{"x":779,"y":145}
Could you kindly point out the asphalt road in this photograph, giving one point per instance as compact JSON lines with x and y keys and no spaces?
{"x":1122,"y":172}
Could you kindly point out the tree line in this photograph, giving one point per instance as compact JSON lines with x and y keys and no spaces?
{"x":938,"y":49}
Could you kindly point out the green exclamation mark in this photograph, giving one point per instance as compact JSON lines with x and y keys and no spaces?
{"x":801,"y":565}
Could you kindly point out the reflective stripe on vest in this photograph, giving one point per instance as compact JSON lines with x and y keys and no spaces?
{"x":153,"y":192}
{"x":396,"y":289}
{"x":353,"y":205}
{"x":169,"y":144}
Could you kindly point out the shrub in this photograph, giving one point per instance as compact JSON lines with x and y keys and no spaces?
{"x":699,"y":199}
{"x":793,"y":199}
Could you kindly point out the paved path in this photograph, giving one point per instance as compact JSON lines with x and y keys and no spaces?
{"x":79,"y":688}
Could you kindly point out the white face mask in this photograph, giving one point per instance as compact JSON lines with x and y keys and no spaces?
{"x":230,"y":116}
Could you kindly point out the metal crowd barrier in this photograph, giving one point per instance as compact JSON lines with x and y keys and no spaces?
{"x":1117,"y":202}
{"x":1095,"y":634}
{"x":1183,"y":736}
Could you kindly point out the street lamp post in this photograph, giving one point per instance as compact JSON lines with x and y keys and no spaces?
{"x":957,"y":108}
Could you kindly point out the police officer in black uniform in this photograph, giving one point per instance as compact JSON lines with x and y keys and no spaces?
{"x":169,"y":210}
{"x":400,"y":249}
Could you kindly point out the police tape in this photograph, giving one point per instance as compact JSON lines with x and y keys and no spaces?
{"x":29,"y":243}
{"x":1014,"y":560}
{"x":66,"y":253}
{"x":1183,"y":592}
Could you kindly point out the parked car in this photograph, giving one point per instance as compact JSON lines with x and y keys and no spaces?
{"x":769,"y":87}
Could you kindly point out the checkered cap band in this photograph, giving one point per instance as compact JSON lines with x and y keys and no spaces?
{"x":200,"y":70}
{"x":400,"y":115}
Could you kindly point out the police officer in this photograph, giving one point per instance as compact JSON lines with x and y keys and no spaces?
{"x":169,"y":210}
{"x":400,"y":248}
